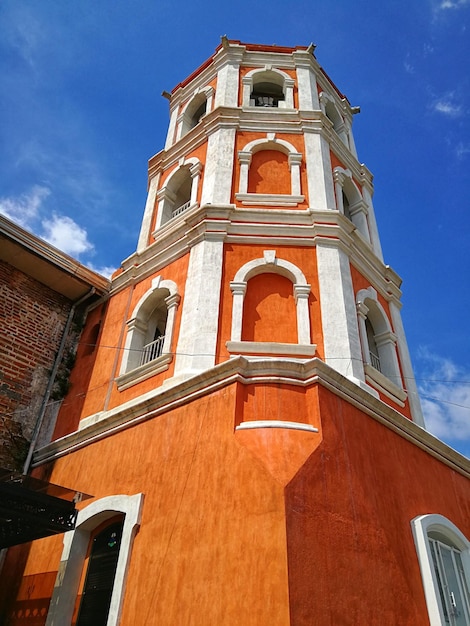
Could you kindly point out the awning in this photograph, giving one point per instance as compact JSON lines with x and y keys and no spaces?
{"x":31,"y":508}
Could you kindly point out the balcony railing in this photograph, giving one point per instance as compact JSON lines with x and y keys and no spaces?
{"x":152,"y":350}
{"x":375,"y":361}
{"x":181,"y":209}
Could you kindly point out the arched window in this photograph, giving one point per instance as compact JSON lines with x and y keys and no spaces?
{"x":350,"y":202}
{"x":267,"y":88}
{"x":268,"y":166}
{"x":378,"y":343}
{"x":147,"y":350}
{"x":91,"y":520}
{"x":444,"y":559}
{"x":331,"y":111}
{"x":180,"y":191}
{"x":300,"y":291}
{"x":193,"y":111}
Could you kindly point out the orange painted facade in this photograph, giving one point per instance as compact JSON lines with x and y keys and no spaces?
{"x":244,"y":398}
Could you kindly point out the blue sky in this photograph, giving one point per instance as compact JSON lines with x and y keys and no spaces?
{"x":81,"y":113}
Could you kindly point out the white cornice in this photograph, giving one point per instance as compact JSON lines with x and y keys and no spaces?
{"x":303,"y":373}
{"x":280,"y":227}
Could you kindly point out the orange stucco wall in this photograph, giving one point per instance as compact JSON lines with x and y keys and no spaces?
{"x":263,"y":526}
{"x":269,"y":173}
{"x":352,"y":558}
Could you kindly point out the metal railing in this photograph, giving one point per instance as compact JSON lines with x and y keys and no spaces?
{"x":374,"y":361}
{"x":181,"y":209}
{"x":152,"y":350}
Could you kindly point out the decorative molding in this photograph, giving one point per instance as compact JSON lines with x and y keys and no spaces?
{"x":272,"y":199}
{"x":271,"y":347}
{"x":276,"y":424}
{"x":246,"y":371}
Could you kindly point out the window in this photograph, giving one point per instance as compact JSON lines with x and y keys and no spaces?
{"x":198,"y":105}
{"x":378,"y":343}
{"x":147,"y":350}
{"x":257,"y":185}
{"x":300,"y":290}
{"x":267,"y":88}
{"x":349,"y":201}
{"x":179,"y":192}
{"x":444,"y":559}
{"x":331,"y":111}
{"x":74,"y":555}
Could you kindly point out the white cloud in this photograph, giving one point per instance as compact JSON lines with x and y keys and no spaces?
{"x":105,"y":270}
{"x":445,"y":398}
{"x":63,"y":233}
{"x":25,"y":209}
{"x":446,"y":107}
{"x":462,"y":149}
{"x":444,"y":5}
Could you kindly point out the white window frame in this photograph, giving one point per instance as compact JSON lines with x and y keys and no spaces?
{"x":131,"y":372}
{"x":184,"y":119}
{"x":421,"y":527}
{"x":287,"y":86}
{"x":165,"y":195}
{"x":270,"y":264}
{"x":357,"y":206}
{"x":74,"y":553}
{"x":389,"y":380}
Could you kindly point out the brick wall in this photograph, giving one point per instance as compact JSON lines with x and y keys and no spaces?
{"x":32,"y":319}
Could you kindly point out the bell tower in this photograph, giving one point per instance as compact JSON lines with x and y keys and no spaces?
{"x":260,"y":183}
{"x":242,"y":403}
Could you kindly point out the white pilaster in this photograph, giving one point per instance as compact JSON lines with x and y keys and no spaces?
{"x":170,"y":138}
{"x":338,"y":310}
{"x":406,"y":366}
{"x":306,"y":84}
{"x":320,"y":180}
{"x":148,"y":214}
{"x":228,"y":70}
{"x":217,"y":184}
{"x":373,"y":230}
{"x":197,"y":341}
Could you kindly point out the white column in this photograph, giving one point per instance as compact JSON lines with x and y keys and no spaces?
{"x":320,"y":181}
{"x":244,"y":159}
{"x":247,"y":88}
{"x":406,"y":366}
{"x":340,"y":329}
{"x":301,"y":294}
{"x":195,"y":171}
{"x":146,"y":227}
{"x":238,"y":291}
{"x":373,"y":230}
{"x":197,"y":340}
{"x":172,"y":305}
{"x":362,"y":312}
{"x":289,"y":93}
{"x":295,"y":160}
{"x":217,"y":186}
